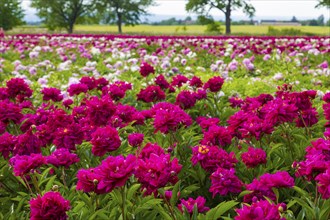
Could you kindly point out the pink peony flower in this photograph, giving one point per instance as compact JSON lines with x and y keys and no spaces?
{"x":156,"y":171}
{"x":217,"y":135}
{"x":51,"y":206}
{"x":62,"y":157}
{"x":186,"y":99}
{"x":135,"y":139}
{"x":214,"y":84}
{"x":169,"y":117}
{"x":212,"y":157}
{"x":18,"y":87}
{"x":262,"y":210}
{"x":105,"y":140}
{"x":25,"y":164}
{"x":190,"y":203}
{"x":151,"y":94}
{"x":224,"y":181}
{"x":76,"y":89}
{"x":253,"y":157}
{"x":88,"y":179}
{"x":146,"y":69}
{"x":53,"y":94}
{"x":100,"y":110}
{"x":323,"y":184}
{"x":114,"y":172}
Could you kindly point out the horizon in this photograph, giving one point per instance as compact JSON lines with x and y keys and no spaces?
{"x":265,"y":9}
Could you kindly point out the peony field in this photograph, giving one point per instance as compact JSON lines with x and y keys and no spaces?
{"x":160,"y":127}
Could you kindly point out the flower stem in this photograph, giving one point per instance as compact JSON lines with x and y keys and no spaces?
{"x":123,"y":205}
{"x":35,"y":183}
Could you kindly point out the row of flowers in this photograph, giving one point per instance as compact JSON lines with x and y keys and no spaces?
{"x":173,"y":145}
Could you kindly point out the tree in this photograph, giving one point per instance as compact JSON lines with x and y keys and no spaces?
{"x":123,"y":11}
{"x":203,"y":7}
{"x":294,"y":19}
{"x":61,"y":13}
{"x":11,"y":14}
{"x":323,"y":3}
{"x":320,"y":20}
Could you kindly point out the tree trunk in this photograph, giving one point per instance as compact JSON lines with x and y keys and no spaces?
{"x":228,"y":15}
{"x":119,"y":22}
{"x":228,"y":31}
{"x":70,"y":29}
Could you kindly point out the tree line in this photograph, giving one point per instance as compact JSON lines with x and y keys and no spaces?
{"x":66,"y":14}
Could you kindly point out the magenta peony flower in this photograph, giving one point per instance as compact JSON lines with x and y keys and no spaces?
{"x":186,"y":99}
{"x":53,"y":94}
{"x":88,"y":180}
{"x":146,"y":69}
{"x":169,"y":117}
{"x":114,"y":172}
{"x":10,"y":112}
{"x":205,"y":123}
{"x":4,"y":94}
{"x":224,"y":181}
{"x":105,"y":140}
{"x":190,"y":203}
{"x":253,"y":157}
{"x":200,"y":94}
{"x":317,"y":159}
{"x":27,"y":144}
{"x":259,"y":191}
{"x":25,"y":164}
{"x":214,"y":84}
{"x":51,"y":206}
{"x":135,"y":139}
{"x":69,"y":136}
{"x":196,"y":82}
{"x":18,"y":87}
{"x":279,"y":111}
{"x":151,"y":94}
{"x":156,"y":171}
{"x":323,"y":184}
{"x":162,"y":82}
{"x":99,"y":111}
{"x":212,"y":157}
{"x":217,"y":135}
{"x":90,"y":82}
{"x":179,"y":80}
{"x":151,"y":149}
{"x":7,"y":143}
{"x":62,"y":157}
{"x":277,"y":180}
{"x":262,"y":210}
{"x":76,"y":89}
{"x":263,"y":188}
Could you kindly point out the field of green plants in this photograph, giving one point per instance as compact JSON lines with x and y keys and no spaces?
{"x":178,"y":29}
{"x":137,"y":127}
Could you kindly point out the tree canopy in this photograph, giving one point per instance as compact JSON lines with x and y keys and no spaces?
{"x":323,"y":3}
{"x":11,"y":14}
{"x":203,"y":7}
{"x":121,"y":12}
{"x":61,"y":13}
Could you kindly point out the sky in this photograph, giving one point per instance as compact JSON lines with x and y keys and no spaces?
{"x":265,"y":9}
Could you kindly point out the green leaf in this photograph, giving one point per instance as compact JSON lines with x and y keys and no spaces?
{"x":132,"y":190}
{"x":244,"y":193}
{"x":220,"y":209}
{"x":175,"y":191}
{"x":50,"y":183}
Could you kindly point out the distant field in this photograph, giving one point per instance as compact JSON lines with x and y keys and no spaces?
{"x":181,"y":30}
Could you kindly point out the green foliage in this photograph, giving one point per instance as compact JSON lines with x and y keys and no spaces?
{"x":61,"y":13}
{"x":122,"y":11}
{"x":11,"y":14}
{"x":203,"y":7}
